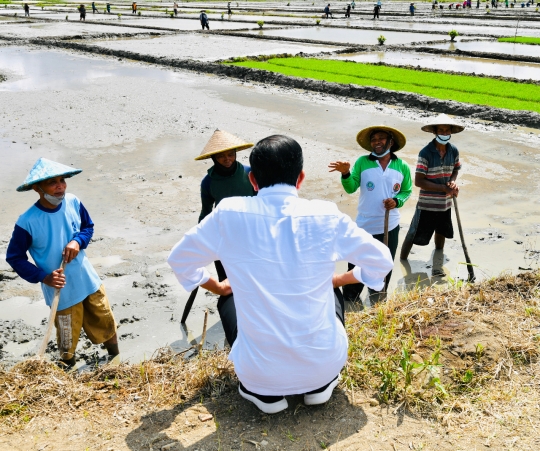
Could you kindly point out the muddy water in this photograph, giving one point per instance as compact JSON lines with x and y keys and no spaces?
{"x":208,"y":47}
{"x":135,"y":133}
{"x":165,"y":22}
{"x":492,"y":47}
{"x":461,"y":28}
{"x":46,"y":29}
{"x":455,"y":63}
{"x":339,"y":35}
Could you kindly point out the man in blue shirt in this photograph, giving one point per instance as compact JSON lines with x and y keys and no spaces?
{"x":58,"y":227}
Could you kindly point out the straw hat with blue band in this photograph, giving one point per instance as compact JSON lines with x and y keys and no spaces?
{"x":364,"y":137}
{"x":222,"y":141}
{"x":442,"y":119}
{"x":45,"y":169}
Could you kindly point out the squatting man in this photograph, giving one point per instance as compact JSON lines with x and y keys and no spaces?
{"x":279,"y":253}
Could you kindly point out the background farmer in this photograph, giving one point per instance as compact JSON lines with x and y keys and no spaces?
{"x":204,"y":20}
{"x":385,"y":184}
{"x":436,"y":174}
{"x":226,"y":178}
{"x":280,"y":252}
{"x":58,"y":227}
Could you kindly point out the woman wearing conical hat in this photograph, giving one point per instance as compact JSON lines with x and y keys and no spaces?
{"x":226,"y":178}
{"x":385,"y":184}
{"x":436,"y":174}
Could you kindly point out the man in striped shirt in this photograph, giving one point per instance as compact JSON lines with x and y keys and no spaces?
{"x":436,"y":173}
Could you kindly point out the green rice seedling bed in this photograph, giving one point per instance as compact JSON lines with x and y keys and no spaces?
{"x":461,"y":88}
{"x":521,"y":40}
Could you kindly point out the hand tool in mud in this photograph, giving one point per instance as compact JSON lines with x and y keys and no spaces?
{"x":385,"y":241}
{"x":189,"y":304}
{"x":470,"y":269}
{"x":52,"y":316}
{"x":203,"y":336}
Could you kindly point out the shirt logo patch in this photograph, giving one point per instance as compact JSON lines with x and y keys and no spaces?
{"x":397,"y":187}
{"x":370,"y":186}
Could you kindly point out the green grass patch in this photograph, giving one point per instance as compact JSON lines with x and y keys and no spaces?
{"x":521,"y":40}
{"x":461,"y":88}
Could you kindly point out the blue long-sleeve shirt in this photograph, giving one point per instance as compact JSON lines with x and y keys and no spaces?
{"x":44,"y":233}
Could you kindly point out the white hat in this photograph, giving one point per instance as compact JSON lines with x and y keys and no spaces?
{"x":442,"y":119}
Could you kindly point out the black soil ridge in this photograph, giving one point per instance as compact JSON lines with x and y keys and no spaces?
{"x":370,"y":93}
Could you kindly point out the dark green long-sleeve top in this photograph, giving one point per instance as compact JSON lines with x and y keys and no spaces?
{"x":215,"y":187}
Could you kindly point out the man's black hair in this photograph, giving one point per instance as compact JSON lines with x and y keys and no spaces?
{"x":276,"y":159}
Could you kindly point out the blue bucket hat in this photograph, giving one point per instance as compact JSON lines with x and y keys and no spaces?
{"x":45,"y":169}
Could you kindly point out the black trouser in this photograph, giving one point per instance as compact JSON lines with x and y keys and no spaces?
{"x":227,"y":313}
{"x":352,"y":292}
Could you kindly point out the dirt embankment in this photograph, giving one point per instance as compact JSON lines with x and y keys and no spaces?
{"x":410,"y":100}
{"x":447,"y":369}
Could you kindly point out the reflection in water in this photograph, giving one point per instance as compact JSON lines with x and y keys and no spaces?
{"x":507,"y":48}
{"x":37,"y":69}
{"x":353,"y":36}
{"x":420,"y":278}
{"x":455,"y":63}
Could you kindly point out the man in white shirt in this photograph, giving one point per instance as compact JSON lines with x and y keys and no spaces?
{"x":284,"y":322}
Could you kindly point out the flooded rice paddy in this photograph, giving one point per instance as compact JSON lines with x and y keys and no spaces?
{"x":476,"y":66}
{"x":506,"y":48}
{"x":135,"y":129}
{"x":355,"y":37}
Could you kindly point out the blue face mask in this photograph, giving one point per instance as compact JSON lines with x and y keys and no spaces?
{"x":442,"y":139}
{"x":376,"y":155}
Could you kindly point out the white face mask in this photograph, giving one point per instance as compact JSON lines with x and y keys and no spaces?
{"x":442,"y":139}
{"x":53,"y":200}
{"x":376,"y":155}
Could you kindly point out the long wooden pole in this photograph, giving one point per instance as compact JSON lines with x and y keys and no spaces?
{"x":385,"y":241}
{"x":470,"y":268}
{"x":52,"y":316}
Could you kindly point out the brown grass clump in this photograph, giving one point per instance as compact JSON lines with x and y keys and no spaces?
{"x":39,"y":388}
{"x":456,"y":354}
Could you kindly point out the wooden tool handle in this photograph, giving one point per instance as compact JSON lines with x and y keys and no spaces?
{"x":52,"y":316}
{"x":386,"y":217}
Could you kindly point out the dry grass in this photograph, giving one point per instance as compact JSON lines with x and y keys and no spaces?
{"x":38,"y":388}
{"x":466,"y":356}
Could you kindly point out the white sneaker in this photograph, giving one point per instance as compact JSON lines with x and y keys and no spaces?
{"x":311,"y":399}
{"x":267,"y":404}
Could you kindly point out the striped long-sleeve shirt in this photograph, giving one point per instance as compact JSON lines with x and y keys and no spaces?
{"x":437,"y":170}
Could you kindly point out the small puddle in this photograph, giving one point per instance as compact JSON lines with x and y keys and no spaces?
{"x":455,"y":63}
{"x":507,"y":48}
{"x":343,"y":35}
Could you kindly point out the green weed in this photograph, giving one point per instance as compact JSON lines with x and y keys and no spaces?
{"x":521,"y":40}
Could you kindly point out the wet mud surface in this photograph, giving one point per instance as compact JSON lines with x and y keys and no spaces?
{"x":207,"y":47}
{"x":133,"y":112}
{"x":141,"y":185}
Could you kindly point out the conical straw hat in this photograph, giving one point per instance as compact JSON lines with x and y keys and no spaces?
{"x":45,"y":169}
{"x":442,"y":119}
{"x":364,"y":137}
{"x":222,"y":141}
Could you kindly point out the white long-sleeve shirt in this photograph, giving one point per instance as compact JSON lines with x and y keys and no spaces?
{"x":279,"y":252}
